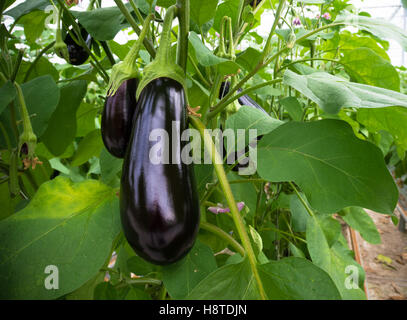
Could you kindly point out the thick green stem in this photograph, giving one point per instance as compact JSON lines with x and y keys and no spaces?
{"x":147,"y":44}
{"x":108,"y":52}
{"x":184,"y":19}
{"x":267,"y":47}
{"x":136,"y":11}
{"x":237,"y":218}
{"x":223,"y":235}
{"x":164,"y":50}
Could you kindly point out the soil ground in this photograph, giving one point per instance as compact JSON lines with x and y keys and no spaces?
{"x":385,"y":280}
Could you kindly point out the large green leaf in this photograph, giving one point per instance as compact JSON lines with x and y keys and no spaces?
{"x":26,"y":7}
{"x":203,"y":11}
{"x":7,"y":94}
{"x":379,"y":27}
{"x":102,"y":23}
{"x":41,"y":96}
{"x":334,"y":260}
{"x":230,"y":282}
{"x":333,"y":93}
{"x":227,"y":8}
{"x":91,"y":145}
{"x":297,"y":279}
{"x":41,"y":68}
{"x":181,"y":277}
{"x":392,"y":120}
{"x":365,"y":66}
{"x":67,"y":225}
{"x":333,"y":168}
{"x":247,"y":118}
{"x":359,"y":220}
{"x":34,"y":24}
{"x":62,"y":125}
{"x":350,"y":41}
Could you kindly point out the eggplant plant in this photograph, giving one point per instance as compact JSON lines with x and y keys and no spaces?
{"x":317,"y":114}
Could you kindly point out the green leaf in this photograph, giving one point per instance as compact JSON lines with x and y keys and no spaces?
{"x":181,"y":277}
{"x":102,"y":23}
{"x":85,"y":118}
{"x":249,"y":58}
{"x":333,"y":168}
{"x":139,"y":266}
{"x":379,"y":27}
{"x":230,"y":282}
{"x":250,"y":118}
{"x":26,"y":7}
{"x":110,"y":166}
{"x":297,"y":279}
{"x":202,"y":11}
{"x":299,"y":214}
{"x":207,"y":59}
{"x":62,"y":125}
{"x":335,"y":261}
{"x":350,"y":41}
{"x":33,"y":24}
{"x":69,"y":225}
{"x":165,"y":3}
{"x":227,"y":8}
{"x":42,"y":67}
{"x":393,"y":120}
{"x":41,"y":96}
{"x":293,"y":107}
{"x":333,"y":93}
{"x":86,"y":291}
{"x":91,"y":145}
{"x":7,"y":94}
{"x":365,"y":66}
{"x":358,"y":219}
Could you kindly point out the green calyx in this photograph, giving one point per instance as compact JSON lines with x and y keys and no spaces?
{"x":291,"y":40}
{"x":27,"y":140}
{"x":127,"y":69}
{"x":163,"y":65}
{"x":60,"y":47}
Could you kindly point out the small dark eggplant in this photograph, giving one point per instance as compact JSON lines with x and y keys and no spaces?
{"x":254,"y":3}
{"x":159,"y":205}
{"x":77,"y":54}
{"x":117,"y":118}
{"x":244,"y":101}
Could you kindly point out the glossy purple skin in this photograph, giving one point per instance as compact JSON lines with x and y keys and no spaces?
{"x":159,"y":204}
{"x":117,"y":118}
{"x":77,"y":54}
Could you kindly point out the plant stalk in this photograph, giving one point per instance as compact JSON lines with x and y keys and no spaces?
{"x":237,"y":218}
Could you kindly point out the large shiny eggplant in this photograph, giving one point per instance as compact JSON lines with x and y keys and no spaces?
{"x":117,"y":118}
{"x":78,"y":54}
{"x":159,"y":205}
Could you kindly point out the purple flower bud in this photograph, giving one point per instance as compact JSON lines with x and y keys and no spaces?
{"x":297,"y":21}
{"x":220,"y":209}
{"x":327,"y":16}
